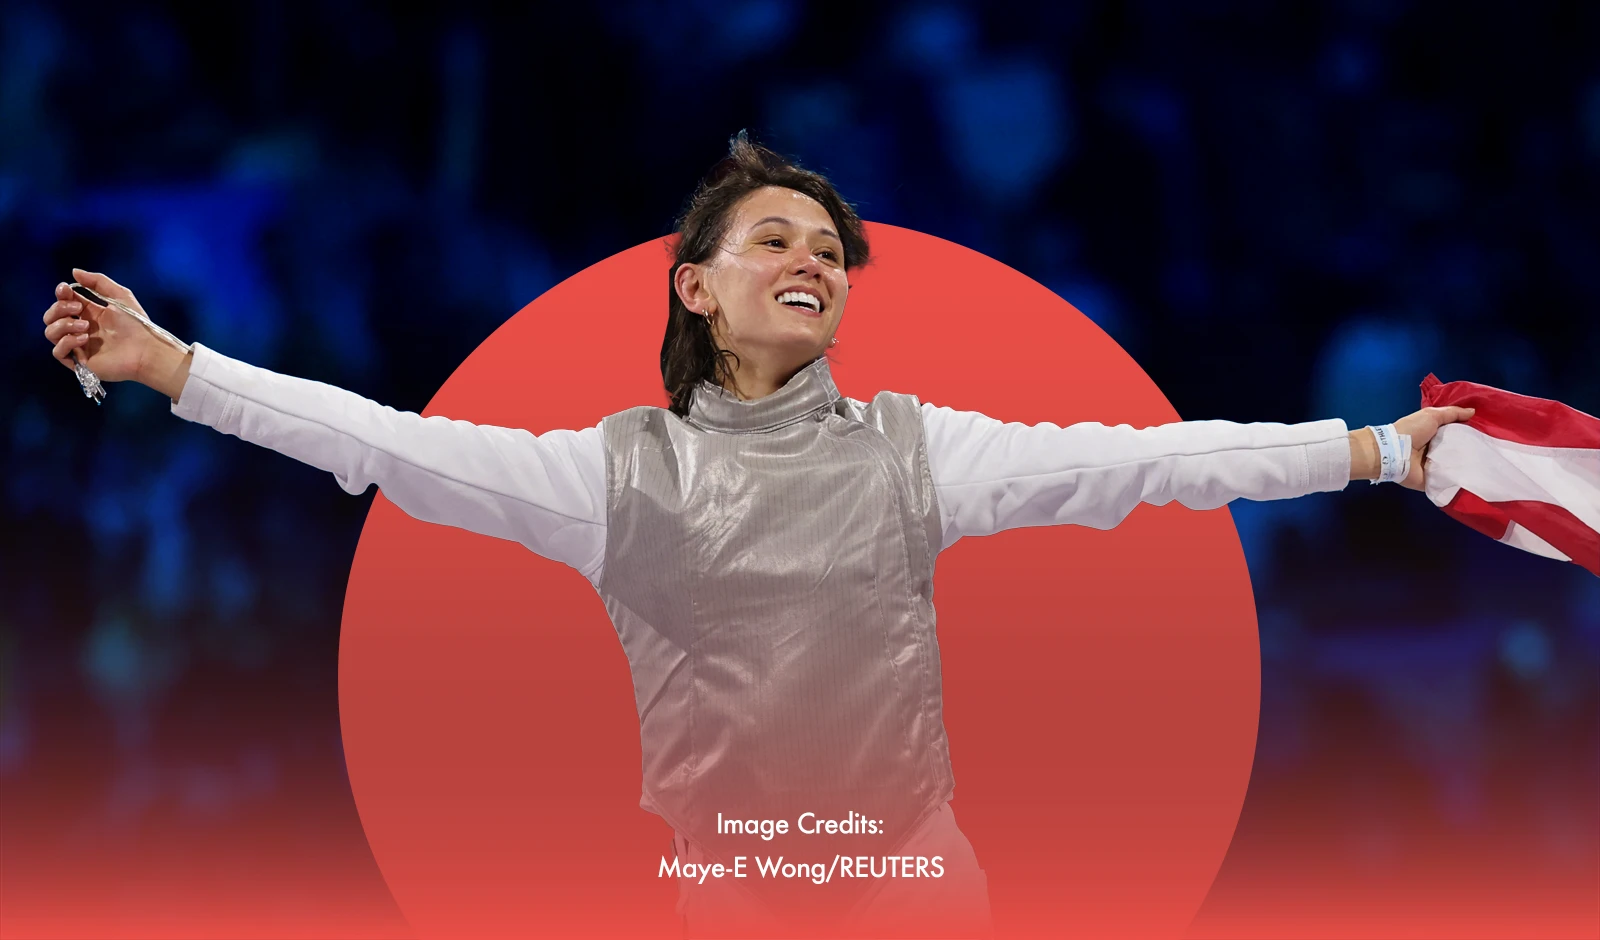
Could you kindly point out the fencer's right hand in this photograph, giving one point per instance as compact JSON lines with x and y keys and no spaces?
{"x":107,"y":340}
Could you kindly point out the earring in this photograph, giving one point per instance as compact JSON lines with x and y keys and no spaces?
{"x":834,"y":341}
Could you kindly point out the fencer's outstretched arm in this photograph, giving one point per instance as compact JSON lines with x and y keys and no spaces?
{"x":990,"y":475}
{"x":545,"y":491}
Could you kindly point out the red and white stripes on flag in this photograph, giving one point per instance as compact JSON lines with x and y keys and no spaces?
{"x":1524,"y":471}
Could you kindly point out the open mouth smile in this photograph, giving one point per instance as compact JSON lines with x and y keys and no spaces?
{"x":804,"y":301}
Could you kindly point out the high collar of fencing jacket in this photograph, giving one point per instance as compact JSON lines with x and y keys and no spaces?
{"x":809,"y":392}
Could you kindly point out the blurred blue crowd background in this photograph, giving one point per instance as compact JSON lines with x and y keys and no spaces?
{"x":1283,"y":211}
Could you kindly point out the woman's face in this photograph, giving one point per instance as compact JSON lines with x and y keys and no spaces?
{"x":777,"y":284}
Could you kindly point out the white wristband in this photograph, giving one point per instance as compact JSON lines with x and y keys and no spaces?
{"x":1394,"y":453}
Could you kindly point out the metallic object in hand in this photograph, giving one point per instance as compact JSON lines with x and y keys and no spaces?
{"x":92,"y":388}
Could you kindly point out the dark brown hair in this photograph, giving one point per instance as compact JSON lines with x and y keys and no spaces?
{"x":688,"y":353}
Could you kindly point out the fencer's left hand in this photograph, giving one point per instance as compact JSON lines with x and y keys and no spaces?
{"x":1422,"y":426}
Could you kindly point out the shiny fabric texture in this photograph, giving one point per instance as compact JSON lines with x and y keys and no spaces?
{"x":769,"y":571}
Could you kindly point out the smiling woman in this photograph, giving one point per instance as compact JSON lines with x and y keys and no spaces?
{"x":764,"y":547}
{"x":757,"y":287}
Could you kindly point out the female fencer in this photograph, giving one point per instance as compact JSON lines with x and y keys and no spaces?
{"x":764,"y":546}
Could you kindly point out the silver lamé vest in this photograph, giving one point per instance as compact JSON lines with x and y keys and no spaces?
{"x":769,"y":570}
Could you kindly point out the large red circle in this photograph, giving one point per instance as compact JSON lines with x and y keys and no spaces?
{"x":1101,"y":688}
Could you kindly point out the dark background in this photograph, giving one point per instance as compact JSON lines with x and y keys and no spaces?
{"x":1283,"y":211}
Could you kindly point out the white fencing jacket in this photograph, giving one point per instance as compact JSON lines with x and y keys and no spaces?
{"x":768,"y":564}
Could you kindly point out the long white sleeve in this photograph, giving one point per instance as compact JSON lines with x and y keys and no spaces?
{"x":990,"y":476}
{"x":546,"y":492}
